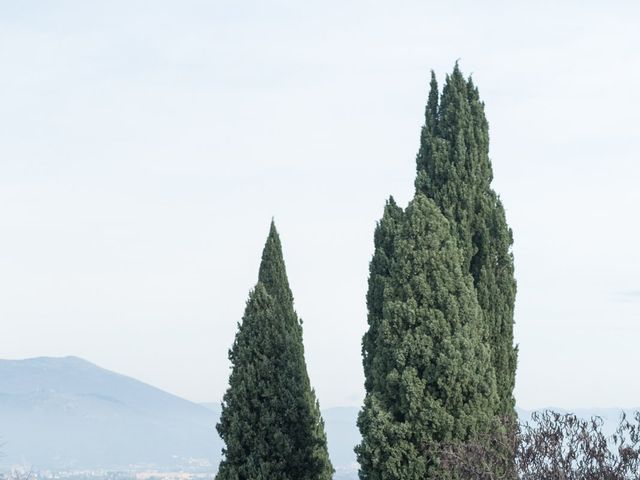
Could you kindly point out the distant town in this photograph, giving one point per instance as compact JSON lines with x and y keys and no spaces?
{"x":136,"y":473}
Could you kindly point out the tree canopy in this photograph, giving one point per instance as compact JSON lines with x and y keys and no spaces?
{"x":271,"y":423}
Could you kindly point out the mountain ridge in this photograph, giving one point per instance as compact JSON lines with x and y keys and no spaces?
{"x":66,"y":412}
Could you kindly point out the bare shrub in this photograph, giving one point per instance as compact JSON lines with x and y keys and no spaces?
{"x":552,"y":446}
{"x":558,"y":446}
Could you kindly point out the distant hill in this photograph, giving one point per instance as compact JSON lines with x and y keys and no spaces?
{"x":68,"y":413}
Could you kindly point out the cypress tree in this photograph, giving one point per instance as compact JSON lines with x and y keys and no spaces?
{"x":428,"y":374}
{"x":271,"y":422}
{"x":454,"y":169}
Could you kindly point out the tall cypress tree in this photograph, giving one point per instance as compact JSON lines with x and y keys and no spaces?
{"x":271,"y":422}
{"x":454,"y":169}
{"x":428,"y":374}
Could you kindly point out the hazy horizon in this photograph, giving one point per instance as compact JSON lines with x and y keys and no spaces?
{"x":218,"y":402}
{"x":145,"y":148}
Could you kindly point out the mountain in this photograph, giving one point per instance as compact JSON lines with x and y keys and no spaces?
{"x":58,"y":413}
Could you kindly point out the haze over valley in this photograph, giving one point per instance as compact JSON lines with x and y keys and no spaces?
{"x":67,"y":414}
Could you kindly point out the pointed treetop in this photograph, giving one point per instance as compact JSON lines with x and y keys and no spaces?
{"x":272,"y":273}
{"x":456,"y":79}
{"x":472,"y":86}
{"x":390,"y":217}
{"x":431,"y":112}
{"x":391,"y":201}
{"x":391,"y":214}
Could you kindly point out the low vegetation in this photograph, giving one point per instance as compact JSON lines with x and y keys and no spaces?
{"x":552,"y":446}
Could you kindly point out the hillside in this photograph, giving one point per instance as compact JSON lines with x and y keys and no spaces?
{"x":68,"y":413}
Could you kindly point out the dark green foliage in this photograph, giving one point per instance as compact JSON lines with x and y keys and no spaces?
{"x":428,"y":373}
{"x":453,"y":169}
{"x":270,"y":421}
{"x":438,"y":356}
{"x":384,"y":238}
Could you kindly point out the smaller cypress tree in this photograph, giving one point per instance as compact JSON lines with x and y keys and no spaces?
{"x":271,"y":422}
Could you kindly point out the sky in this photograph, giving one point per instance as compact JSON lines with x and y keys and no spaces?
{"x":146,"y":145}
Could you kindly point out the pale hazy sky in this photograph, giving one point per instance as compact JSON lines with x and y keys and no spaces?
{"x":145,"y":146}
